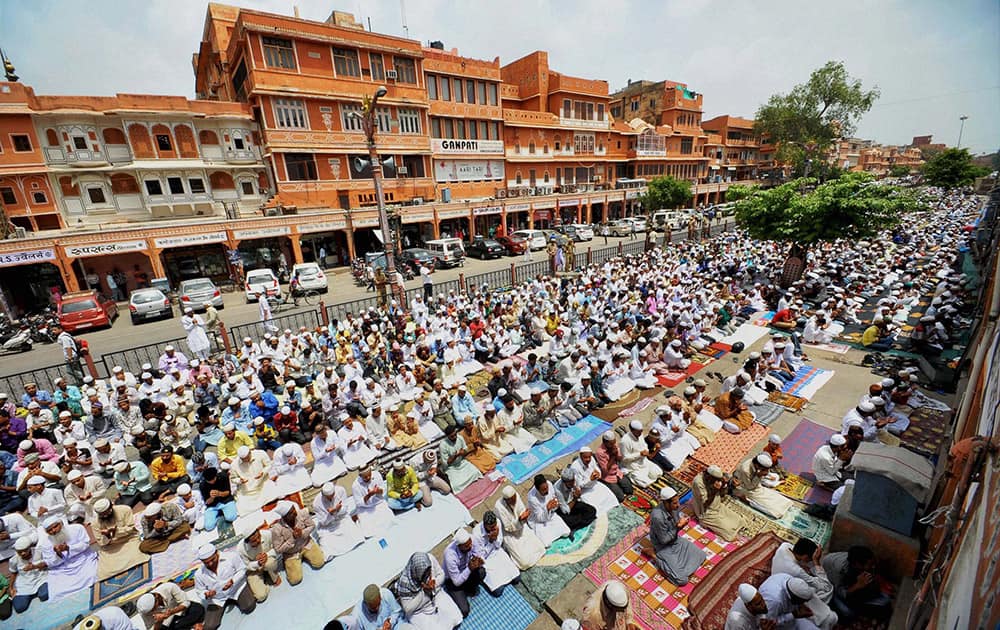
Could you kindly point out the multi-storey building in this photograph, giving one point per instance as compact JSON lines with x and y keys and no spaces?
{"x":740,"y":149}
{"x":120,"y":176}
{"x":559,"y":138}
{"x":673,"y":112}
{"x":270,"y":165}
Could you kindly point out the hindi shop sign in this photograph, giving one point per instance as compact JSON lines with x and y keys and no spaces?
{"x":243,"y":235}
{"x":25,"y":258}
{"x":190,"y":239}
{"x":481,"y":147}
{"x":486,"y":210}
{"x":103,"y":249}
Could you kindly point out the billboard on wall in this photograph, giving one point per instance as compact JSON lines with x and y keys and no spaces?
{"x":468,"y":170}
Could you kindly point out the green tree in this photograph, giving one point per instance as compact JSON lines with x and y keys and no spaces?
{"x":852,"y":206}
{"x":952,"y":168}
{"x":805,"y":122}
{"x":666,"y":192}
{"x":899,"y":170}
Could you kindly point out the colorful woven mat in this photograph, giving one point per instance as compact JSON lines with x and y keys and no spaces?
{"x":788,"y":401}
{"x":727,"y":450}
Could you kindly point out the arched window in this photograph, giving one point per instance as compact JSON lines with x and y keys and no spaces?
{"x":164,"y":141}
{"x":138,"y":136}
{"x":221,"y":181}
{"x":124,"y":184}
{"x":51,"y":138}
{"x":207,"y":136}
{"x":186,"y":146}
{"x":113,"y":135}
{"x":68,"y":188}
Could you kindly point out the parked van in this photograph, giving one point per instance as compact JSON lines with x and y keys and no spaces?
{"x":448,"y":252}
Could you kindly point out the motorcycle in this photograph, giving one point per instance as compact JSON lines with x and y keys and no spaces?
{"x":19,"y":341}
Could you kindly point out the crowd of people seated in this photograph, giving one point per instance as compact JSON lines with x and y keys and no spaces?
{"x":97,"y":476}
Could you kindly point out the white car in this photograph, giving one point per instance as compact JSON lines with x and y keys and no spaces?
{"x":583,"y":232}
{"x":640,"y":223}
{"x":311,"y":277}
{"x":534,"y":238}
{"x":263,"y":281}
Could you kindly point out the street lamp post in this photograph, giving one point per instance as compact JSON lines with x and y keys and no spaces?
{"x":961,"y":128}
{"x":370,"y":128}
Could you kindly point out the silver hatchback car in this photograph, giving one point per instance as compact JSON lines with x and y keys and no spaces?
{"x":147,"y":304}
{"x":197,"y":291}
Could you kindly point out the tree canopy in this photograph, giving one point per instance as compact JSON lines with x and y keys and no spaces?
{"x":805,"y":122}
{"x":666,"y":192}
{"x":952,"y":168}
{"x":899,"y":170}
{"x":852,"y":206}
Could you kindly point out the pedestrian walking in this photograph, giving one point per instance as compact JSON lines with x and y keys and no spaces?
{"x":425,"y":276}
{"x":322,"y":257}
{"x":213,"y":324}
{"x":380,"y":281}
{"x":71,"y":353}
{"x":604,"y":232}
{"x":266,"y":316}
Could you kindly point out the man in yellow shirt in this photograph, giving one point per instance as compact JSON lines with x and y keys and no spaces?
{"x":403,"y":488}
{"x":167,"y":471}
{"x":877,"y":337}
{"x":231,"y":441}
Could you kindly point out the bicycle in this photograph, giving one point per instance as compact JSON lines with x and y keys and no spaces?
{"x":287,"y":300}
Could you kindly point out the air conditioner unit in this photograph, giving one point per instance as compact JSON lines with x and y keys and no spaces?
{"x":501,"y":193}
{"x":417,"y":201}
{"x":402,"y":170}
{"x":20,"y":232}
{"x":390,"y":74}
{"x":531,"y":191}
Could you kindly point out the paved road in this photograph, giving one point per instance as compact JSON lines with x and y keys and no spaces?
{"x":124,"y":334}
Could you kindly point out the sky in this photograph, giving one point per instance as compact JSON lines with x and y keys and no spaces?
{"x":933,"y":60}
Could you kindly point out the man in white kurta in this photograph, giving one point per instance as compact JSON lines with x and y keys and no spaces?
{"x":641,"y":471}
{"x":672,"y":424}
{"x":197,"y":339}
{"x":588,"y":479}
{"x":288,"y":470}
{"x":488,"y":544}
{"x":369,"y":492}
{"x":326,"y":448}
{"x":423,"y":413}
{"x":337,"y":527}
{"x":544,"y":519}
{"x":72,"y":564}
{"x":520,"y":541}
{"x":511,"y":418}
{"x":250,"y":474}
{"x":85,"y":490}
{"x":44,"y":502}
{"x":767,"y":500}
{"x":357,"y":448}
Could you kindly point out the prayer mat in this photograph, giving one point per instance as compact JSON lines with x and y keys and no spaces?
{"x":764,"y":319}
{"x":509,"y":611}
{"x":106,"y":591}
{"x":755,"y":523}
{"x":657,"y":602}
{"x":710,"y":601}
{"x":715,"y":351}
{"x":480,"y":490}
{"x":641,"y":503}
{"x":540,"y":583}
{"x":674,"y":378}
{"x":673,"y":482}
{"x":806,"y":526}
{"x":808,"y":380}
{"x":628,"y":399}
{"x":688,"y":471}
{"x":766,"y":413}
{"x":836,"y":348}
{"x":636,"y":408}
{"x":800,"y":445}
{"x":723,"y":347}
{"x":928,"y":430}
{"x":581,"y":544}
{"x":794,"y":486}
{"x":788,"y":401}
{"x":55,"y":613}
{"x":521,"y":466}
{"x":727,"y":450}
{"x":749,"y":334}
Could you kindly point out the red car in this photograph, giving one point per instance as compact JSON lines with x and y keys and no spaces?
{"x":85,"y":310}
{"x":513,"y":244}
